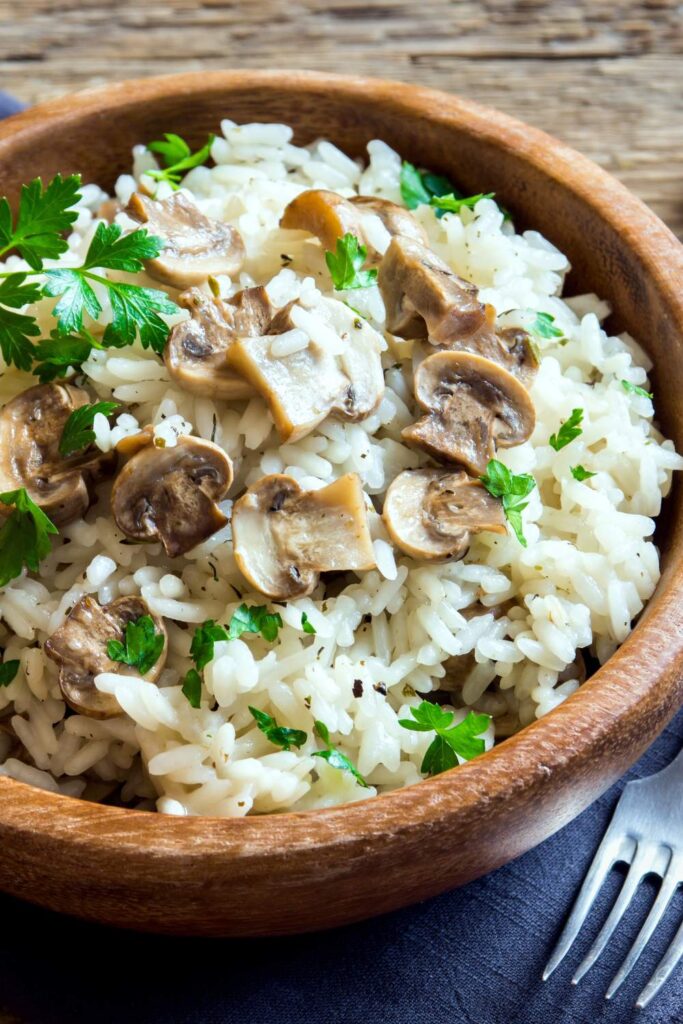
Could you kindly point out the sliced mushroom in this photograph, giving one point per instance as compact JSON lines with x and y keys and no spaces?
{"x":432,"y":513}
{"x":196,"y":247}
{"x":473,"y":405}
{"x":195,"y":350}
{"x":170,"y":494}
{"x":396,"y":219}
{"x":31,"y":426}
{"x":284,"y":537}
{"x":423,"y":297}
{"x":511,"y":347}
{"x":79,"y":647}
{"x":304,"y":387}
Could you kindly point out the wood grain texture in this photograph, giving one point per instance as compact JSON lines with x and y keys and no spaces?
{"x":290,"y":872}
{"x":605,"y":77}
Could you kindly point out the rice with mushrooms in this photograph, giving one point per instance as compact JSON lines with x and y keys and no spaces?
{"x":500,"y":630}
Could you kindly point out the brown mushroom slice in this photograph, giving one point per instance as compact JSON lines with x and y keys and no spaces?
{"x":170,"y":494}
{"x":304,"y":387}
{"x":325,"y":214}
{"x":284,"y":537}
{"x":431,"y":513}
{"x":31,"y":426}
{"x":195,"y":350}
{"x":396,"y":219}
{"x":511,"y":347}
{"x":79,"y":647}
{"x":196,"y":247}
{"x":473,"y":406}
{"x":423,"y":297}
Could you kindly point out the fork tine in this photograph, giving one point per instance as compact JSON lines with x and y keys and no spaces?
{"x":610,"y":850}
{"x":662,"y":970}
{"x":643,"y":859}
{"x":670,"y":882}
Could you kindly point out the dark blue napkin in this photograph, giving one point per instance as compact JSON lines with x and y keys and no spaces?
{"x":473,"y":956}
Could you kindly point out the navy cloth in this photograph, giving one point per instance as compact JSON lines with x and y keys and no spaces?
{"x":472,"y":956}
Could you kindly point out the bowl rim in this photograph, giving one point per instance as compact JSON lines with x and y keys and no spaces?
{"x":539,"y":750}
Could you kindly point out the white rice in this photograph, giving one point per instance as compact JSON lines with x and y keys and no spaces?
{"x":588,"y":570}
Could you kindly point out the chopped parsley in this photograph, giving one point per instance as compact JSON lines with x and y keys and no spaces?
{"x":192,"y":688}
{"x":59,"y":353}
{"x":451,"y":741}
{"x":542,"y":326}
{"x":512,"y":490}
{"x":8,"y":671}
{"x":24,"y":536}
{"x":279,"y":735}
{"x":418,"y":187}
{"x":205,"y":636}
{"x":141,"y":645}
{"x":306,"y":625}
{"x":177,"y":157}
{"x":256,"y":619}
{"x":633,"y":389}
{"x":78,"y":432}
{"x":580,"y":474}
{"x":44,"y":215}
{"x":568,"y":432}
{"x":345,"y":265}
{"x":334,"y":757}
{"x":454,"y":204}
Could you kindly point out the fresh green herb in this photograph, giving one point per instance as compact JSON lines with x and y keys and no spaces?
{"x":24,"y":536}
{"x":205,"y":636}
{"x":78,"y":432}
{"x":580,"y":474}
{"x":8,"y":670}
{"x":454,"y":204}
{"x":279,"y":735}
{"x":345,"y":265}
{"x":633,"y":389}
{"x":418,"y":187}
{"x":61,"y":352}
{"x":141,"y":647}
{"x":256,"y":619}
{"x":450,"y":740}
{"x":512,"y":490}
{"x":17,"y":329}
{"x":44,"y":215}
{"x":306,"y":625}
{"x":178,"y":157}
{"x":192,"y":688}
{"x":334,"y":757}
{"x":542,"y":326}
{"x":568,"y":432}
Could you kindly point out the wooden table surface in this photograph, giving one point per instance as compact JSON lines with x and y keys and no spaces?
{"x":606,"y":76}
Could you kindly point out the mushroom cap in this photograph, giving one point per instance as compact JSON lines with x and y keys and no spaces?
{"x":195,"y":350}
{"x":304,"y":387}
{"x":31,"y":426}
{"x":170,"y":494}
{"x":196,"y":247}
{"x":431,"y":513}
{"x":396,"y":219}
{"x":79,"y":647}
{"x":473,"y":405}
{"x":284,"y":537}
{"x":424,"y":297}
{"x":510,"y":347}
{"x":323,"y":213}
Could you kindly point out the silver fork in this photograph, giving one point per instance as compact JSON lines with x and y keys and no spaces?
{"x":646,"y":832}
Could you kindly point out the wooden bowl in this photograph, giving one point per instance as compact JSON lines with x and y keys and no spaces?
{"x":297,"y":872}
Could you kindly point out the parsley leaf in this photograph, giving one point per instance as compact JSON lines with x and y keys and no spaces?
{"x":334,"y":757}
{"x":24,"y":536}
{"x":205,"y":636}
{"x":542,"y":326}
{"x":256,"y":619}
{"x":454,"y":204}
{"x":633,"y":389}
{"x":280,"y":735}
{"x":178,"y":157}
{"x":501,"y":483}
{"x":109,"y":248}
{"x":192,"y":688}
{"x":56,"y":355}
{"x":141,"y":647}
{"x":306,"y":625}
{"x":78,"y":432}
{"x":580,"y":474}
{"x":345,"y":265}
{"x":8,"y":670}
{"x":44,"y":214}
{"x":568,"y":432}
{"x":418,"y":187}
{"x":450,"y":740}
